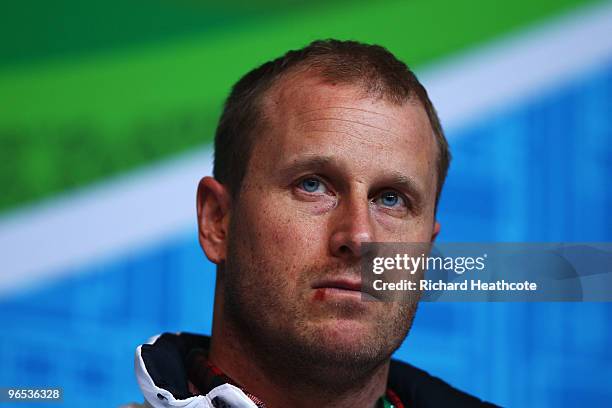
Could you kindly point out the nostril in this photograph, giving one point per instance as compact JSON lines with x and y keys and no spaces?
{"x":345,"y":249}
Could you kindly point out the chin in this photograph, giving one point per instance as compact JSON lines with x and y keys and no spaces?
{"x":345,"y":336}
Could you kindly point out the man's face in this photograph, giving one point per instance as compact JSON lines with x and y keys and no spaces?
{"x":331,"y":169}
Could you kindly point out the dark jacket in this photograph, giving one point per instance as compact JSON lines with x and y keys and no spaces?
{"x":162,"y":376}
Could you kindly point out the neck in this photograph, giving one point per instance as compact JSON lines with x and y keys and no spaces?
{"x":280,"y":383}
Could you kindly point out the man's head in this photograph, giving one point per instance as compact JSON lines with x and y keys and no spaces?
{"x":316,"y":153}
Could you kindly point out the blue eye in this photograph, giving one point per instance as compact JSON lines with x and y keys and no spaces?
{"x":310,"y":185}
{"x":390,"y":199}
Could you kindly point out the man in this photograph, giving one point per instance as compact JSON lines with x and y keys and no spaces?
{"x":316,"y":153}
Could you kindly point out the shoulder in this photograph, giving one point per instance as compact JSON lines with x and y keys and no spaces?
{"x":417,"y":388}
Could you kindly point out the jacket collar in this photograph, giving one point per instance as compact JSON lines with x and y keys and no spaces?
{"x":161,"y":371}
{"x":162,"y":366}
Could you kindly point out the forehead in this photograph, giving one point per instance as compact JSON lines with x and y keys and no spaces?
{"x":301,"y":99}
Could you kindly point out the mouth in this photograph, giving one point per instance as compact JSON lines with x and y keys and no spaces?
{"x":340,"y":287}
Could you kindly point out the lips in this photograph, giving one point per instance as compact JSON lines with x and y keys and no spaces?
{"x":340,"y":285}
{"x":346,"y":284}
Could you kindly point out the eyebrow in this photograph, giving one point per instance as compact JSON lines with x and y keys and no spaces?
{"x":308,"y":163}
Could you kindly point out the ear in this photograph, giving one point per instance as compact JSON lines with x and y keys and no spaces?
{"x":213,"y":206}
{"x":435,"y":232}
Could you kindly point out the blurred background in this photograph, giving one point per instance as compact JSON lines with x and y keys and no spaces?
{"x":107,"y":115}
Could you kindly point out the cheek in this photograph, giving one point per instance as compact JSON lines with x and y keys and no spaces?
{"x":393,"y":229}
{"x":282,"y":236}
{"x":291,"y":235}
{"x":308,"y":204}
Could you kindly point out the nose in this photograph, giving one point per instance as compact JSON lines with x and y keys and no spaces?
{"x":352,"y":227}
